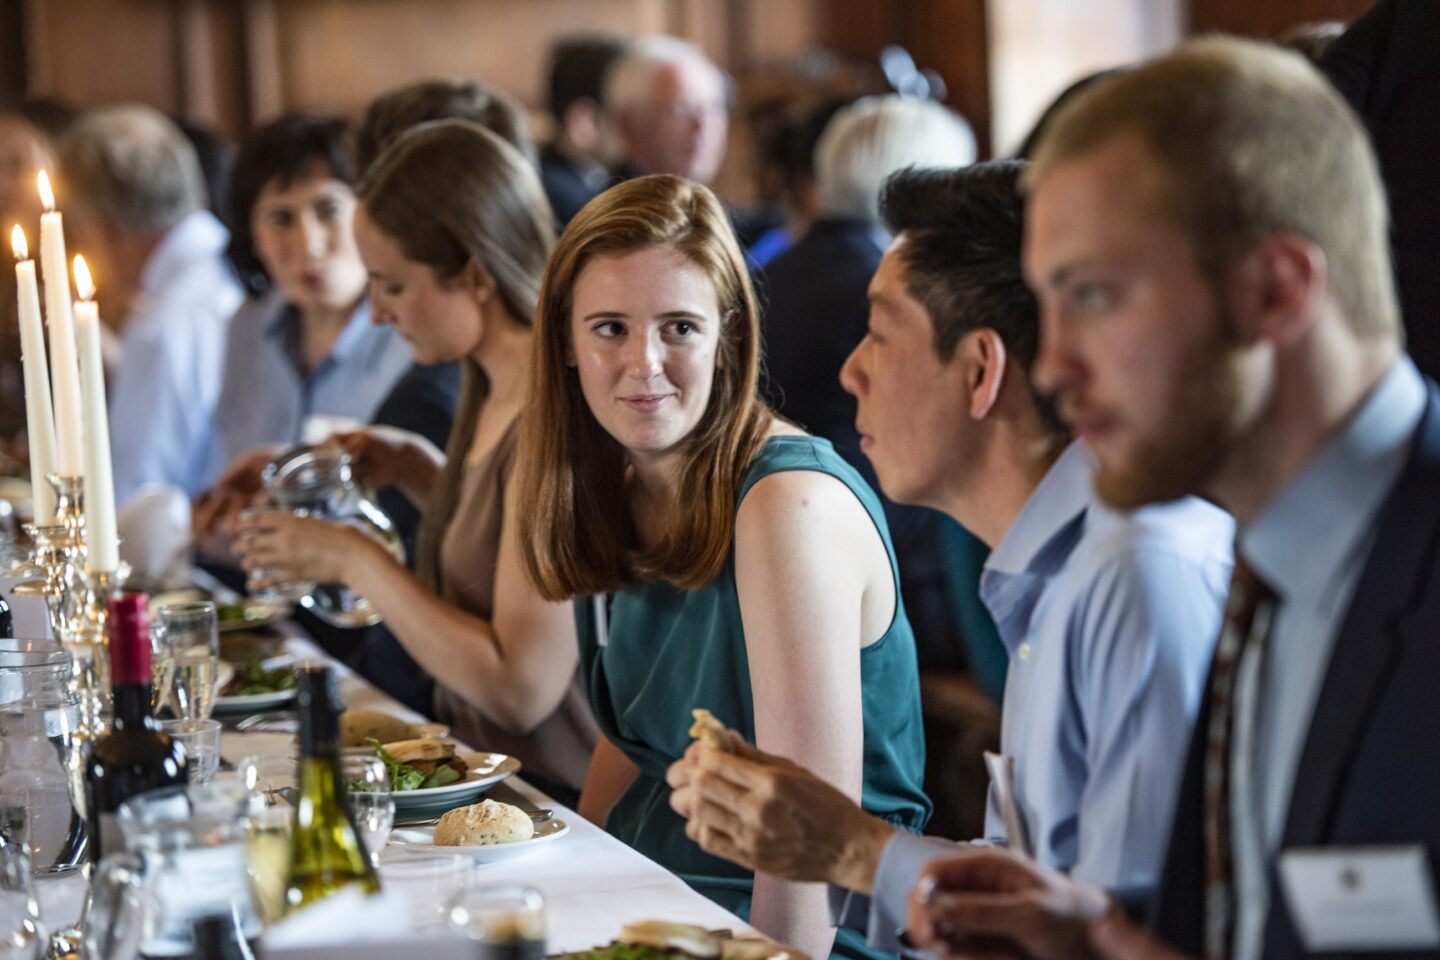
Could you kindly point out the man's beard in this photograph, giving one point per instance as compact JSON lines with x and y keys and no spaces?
{"x":1203,"y":402}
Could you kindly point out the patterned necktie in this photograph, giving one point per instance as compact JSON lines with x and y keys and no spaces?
{"x":1249,"y":612}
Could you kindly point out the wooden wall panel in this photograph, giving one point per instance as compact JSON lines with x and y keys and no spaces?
{"x":1270,"y":18}
{"x":94,"y":52}
{"x":338,"y":54}
{"x":948,"y":36}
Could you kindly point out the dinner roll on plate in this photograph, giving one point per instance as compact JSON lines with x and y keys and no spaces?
{"x":483,"y":823}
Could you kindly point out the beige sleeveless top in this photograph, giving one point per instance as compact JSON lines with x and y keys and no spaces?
{"x":559,"y":749}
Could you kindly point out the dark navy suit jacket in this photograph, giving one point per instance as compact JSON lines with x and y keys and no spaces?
{"x":1369,"y":769}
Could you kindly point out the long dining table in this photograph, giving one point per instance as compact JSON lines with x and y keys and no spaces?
{"x":592,"y":883}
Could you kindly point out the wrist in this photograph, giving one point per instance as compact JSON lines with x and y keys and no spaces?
{"x":864,"y":847}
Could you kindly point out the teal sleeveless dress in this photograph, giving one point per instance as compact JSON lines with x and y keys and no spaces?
{"x":668,"y":650}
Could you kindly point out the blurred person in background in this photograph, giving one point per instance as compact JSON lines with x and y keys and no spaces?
{"x":28,"y":132}
{"x":788,"y":159}
{"x":818,"y":309}
{"x":670,"y":107}
{"x":423,"y":400}
{"x":396,"y":111}
{"x":573,"y":164}
{"x":454,"y":229}
{"x":134,"y":196}
{"x":303,"y":358}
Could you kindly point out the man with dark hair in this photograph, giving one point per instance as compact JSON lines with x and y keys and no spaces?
{"x":572,"y":164}
{"x":1109,"y":618}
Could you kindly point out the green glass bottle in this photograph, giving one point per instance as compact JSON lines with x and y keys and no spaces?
{"x":325,"y":849}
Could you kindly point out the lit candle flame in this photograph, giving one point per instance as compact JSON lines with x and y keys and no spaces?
{"x":84,"y":285}
{"x":18,"y":244}
{"x":47,"y":196}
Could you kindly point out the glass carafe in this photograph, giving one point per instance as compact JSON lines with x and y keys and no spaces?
{"x":317,"y":482}
{"x":184,"y":859}
{"x":40,"y":753}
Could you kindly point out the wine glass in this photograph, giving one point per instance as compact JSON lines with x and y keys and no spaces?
{"x":368,"y":794}
{"x":270,"y":782}
{"x":190,"y":636}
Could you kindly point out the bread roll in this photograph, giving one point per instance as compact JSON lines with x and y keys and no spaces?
{"x":483,"y":823}
{"x":360,"y":724}
{"x":710,"y":731}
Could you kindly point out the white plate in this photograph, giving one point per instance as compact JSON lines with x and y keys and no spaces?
{"x":254,"y":702}
{"x":486,"y":770}
{"x":421,"y":840}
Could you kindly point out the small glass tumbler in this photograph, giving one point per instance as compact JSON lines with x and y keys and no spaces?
{"x":509,"y":920}
{"x":368,"y":793}
{"x":282,"y":592}
{"x":201,"y":739}
{"x":187,"y":645}
{"x":21,"y":935}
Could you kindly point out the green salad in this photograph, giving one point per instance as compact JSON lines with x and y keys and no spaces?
{"x":253,"y":678}
{"x":405,"y":777}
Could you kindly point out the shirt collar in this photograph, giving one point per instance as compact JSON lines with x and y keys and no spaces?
{"x":1064,"y":493}
{"x":284,"y":324}
{"x":1307,"y":538}
{"x":198,"y":235}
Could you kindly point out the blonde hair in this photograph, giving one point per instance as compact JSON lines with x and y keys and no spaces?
{"x":576,"y":532}
{"x":1254,"y":142}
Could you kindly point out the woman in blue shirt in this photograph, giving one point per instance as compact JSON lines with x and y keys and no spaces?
{"x":303,"y":358}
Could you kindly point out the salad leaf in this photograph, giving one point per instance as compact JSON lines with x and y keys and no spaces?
{"x":254,"y":678}
{"x":402,"y":775}
{"x":440,"y":778}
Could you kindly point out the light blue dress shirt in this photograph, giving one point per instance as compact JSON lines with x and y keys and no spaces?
{"x":267,"y":397}
{"x":1308,"y":545}
{"x":164,"y":389}
{"x":1110,"y":620}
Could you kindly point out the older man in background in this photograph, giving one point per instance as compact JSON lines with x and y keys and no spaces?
{"x":669,"y":106}
{"x":135,"y":198}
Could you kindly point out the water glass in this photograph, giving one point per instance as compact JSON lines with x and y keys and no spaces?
{"x":288,"y":591}
{"x":510,"y":920}
{"x":21,"y":935}
{"x":371,"y":802}
{"x":188,"y":650}
{"x":270,"y":784}
{"x":429,"y":884}
{"x":201,"y":739}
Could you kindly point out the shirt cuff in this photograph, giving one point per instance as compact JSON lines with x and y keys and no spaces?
{"x":882,"y":914}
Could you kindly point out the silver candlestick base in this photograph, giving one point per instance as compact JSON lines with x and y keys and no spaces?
{"x":86,"y":600}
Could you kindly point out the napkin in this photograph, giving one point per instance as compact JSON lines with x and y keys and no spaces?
{"x":155,"y":534}
{"x":374,"y":926}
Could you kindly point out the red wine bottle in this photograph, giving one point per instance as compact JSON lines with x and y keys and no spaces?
{"x":136,"y":755}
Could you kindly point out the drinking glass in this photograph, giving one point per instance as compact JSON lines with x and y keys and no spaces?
{"x":202,"y":747}
{"x":21,"y":935}
{"x":190,"y":639}
{"x":270,"y":783}
{"x":371,"y":802}
{"x":510,"y":920}
{"x":429,"y":883}
{"x":285,"y":592}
